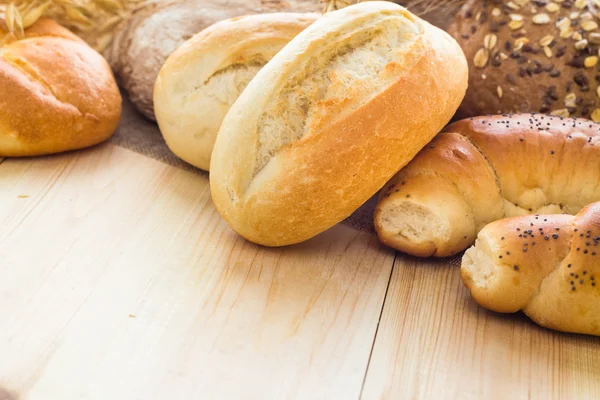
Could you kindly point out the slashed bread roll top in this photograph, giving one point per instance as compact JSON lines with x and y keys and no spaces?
{"x":202,"y":79}
{"x":331,"y":118}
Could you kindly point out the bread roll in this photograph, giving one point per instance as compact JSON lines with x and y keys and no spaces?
{"x":546,"y":265}
{"x":201,"y":80}
{"x":530,"y":56}
{"x":331,"y":118}
{"x":58,"y":94}
{"x":142,"y":44}
{"x":483,"y":169}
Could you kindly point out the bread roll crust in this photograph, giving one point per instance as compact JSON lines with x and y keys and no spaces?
{"x":335,"y":141}
{"x":203,"y":78}
{"x":545,"y":265}
{"x":58,"y":93}
{"x":508,"y":166}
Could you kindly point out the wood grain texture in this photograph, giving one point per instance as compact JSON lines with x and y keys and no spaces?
{"x":434,"y":342}
{"x":119,"y":280}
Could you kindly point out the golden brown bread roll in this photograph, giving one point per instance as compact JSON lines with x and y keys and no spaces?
{"x":530,"y":56}
{"x":331,"y":118}
{"x":483,"y":169}
{"x":58,"y":94}
{"x":203,"y":78}
{"x":546,"y":265}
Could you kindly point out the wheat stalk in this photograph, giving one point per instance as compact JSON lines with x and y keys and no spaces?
{"x":92,"y":20}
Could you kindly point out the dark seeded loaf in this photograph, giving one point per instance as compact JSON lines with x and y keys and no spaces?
{"x":530,"y":56}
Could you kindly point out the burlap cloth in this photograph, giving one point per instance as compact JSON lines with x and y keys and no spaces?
{"x":142,"y":136}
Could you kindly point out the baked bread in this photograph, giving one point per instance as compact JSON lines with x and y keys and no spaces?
{"x":142,"y":44}
{"x":483,"y":169}
{"x":203,"y":78}
{"x":58,"y":94}
{"x":546,"y":265}
{"x":331,"y":118}
{"x":530,"y":56}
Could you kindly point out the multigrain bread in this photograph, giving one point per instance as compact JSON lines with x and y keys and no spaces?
{"x":57,"y":93}
{"x":203,"y":78}
{"x":483,"y":169}
{"x":530,"y":56}
{"x":331,"y":118}
{"x":142,"y":44}
{"x":546,"y":265}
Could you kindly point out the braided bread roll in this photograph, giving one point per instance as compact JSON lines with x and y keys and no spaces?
{"x":546,"y":265}
{"x":487,"y":168}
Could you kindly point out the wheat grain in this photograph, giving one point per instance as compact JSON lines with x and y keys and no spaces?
{"x":31,"y":16}
{"x":9,"y":17}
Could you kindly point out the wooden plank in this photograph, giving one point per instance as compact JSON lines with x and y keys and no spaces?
{"x":434,"y":342}
{"x":119,"y":280}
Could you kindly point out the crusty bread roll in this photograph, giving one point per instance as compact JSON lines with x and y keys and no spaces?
{"x":203,"y":78}
{"x":530,"y":56}
{"x":546,"y":265}
{"x":57,"y":93}
{"x":142,"y":44}
{"x":483,"y":169}
{"x":331,"y":118}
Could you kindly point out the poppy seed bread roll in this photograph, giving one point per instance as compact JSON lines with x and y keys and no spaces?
{"x":483,"y":169}
{"x":546,"y":265}
{"x":203,"y":78}
{"x":331,"y":118}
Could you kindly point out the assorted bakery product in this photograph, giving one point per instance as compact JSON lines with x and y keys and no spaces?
{"x":331,"y":118}
{"x":546,"y":265}
{"x":531,"y":56}
{"x":483,"y":169}
{"x":203,"y":78}
{"x":58,"y":93}
{"x":326,"y":112}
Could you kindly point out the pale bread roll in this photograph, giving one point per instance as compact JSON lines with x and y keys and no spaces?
{"x":546,"y":265}
{"x":331,"y":118}
{"x":203,"y":78}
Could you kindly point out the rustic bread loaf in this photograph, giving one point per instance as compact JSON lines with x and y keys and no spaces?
{"x":331,"y":118}
{"x":483,"y":169}
{"x":142,"y":44}
{"x":57,"y":93}
{"x":203,"y":78}
{"x":530,"y":56}
{"x":546,"y":265}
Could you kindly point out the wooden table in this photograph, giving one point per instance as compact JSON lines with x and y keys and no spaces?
{"x":119,"y":280}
